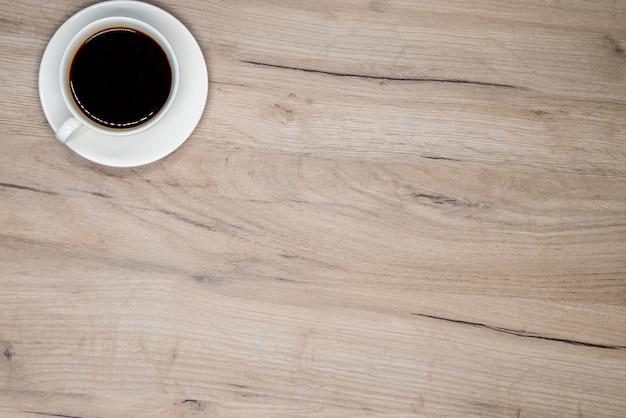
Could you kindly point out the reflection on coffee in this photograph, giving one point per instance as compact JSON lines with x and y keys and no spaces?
{"x":120,"y":78}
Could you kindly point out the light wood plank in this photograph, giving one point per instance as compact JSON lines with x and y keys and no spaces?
{"x":389,"y":208}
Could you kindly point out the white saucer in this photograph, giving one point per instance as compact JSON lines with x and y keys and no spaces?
{"x":177,"y":124}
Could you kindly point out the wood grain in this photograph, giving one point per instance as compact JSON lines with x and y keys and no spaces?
{"x":389,"y":208}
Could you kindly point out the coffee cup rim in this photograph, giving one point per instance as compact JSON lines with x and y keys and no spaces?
{"x":83,"y":35}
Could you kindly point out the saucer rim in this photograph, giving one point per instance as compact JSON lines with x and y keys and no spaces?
{"x":168,"y":140}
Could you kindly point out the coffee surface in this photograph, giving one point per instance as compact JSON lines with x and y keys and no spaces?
{"x":120,"y":78}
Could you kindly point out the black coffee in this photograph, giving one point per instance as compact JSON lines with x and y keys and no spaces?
{"x":120,"y":78}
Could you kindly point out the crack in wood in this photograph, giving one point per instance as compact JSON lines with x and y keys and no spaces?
{"x":384,"y":78}
{"x":30,"y":189}
{"x":436,"y":157}
{"x":52,"y":415}
{"x":220,"y":226}
{"x":521,"y":333}
{"x":442,"y":200}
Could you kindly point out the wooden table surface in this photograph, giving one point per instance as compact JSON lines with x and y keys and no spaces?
{"x":389,"y":207}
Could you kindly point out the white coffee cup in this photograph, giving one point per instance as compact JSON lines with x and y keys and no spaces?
{"x":77,"y":118}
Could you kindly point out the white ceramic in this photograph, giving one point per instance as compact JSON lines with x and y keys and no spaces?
{"x":78,"y":119}
{"x":162,"y":137}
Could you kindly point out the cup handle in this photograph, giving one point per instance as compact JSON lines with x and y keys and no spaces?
{"x":65,"y":130}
